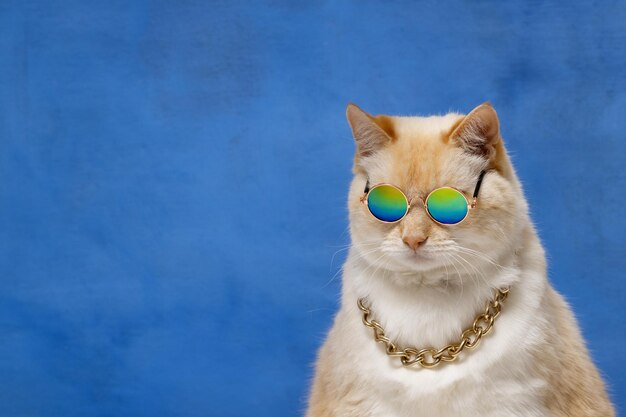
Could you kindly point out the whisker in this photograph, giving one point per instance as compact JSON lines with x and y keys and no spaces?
{"x":478,"y":254}
{"x":479,"y":273}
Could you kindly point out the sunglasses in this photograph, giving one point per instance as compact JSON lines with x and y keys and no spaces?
{"x":446,"y":205}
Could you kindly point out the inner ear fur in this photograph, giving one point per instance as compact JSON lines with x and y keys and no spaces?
{"x":370,"y":133}
{"x":478,"y":133}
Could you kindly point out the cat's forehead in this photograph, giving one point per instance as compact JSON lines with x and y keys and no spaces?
{"x":424,"y":126}
{"x":421,"y":157}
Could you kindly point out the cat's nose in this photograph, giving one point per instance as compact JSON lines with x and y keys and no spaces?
{"x":414,"y":241}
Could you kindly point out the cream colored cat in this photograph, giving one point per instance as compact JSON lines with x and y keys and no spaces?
{"x":425,"y":283}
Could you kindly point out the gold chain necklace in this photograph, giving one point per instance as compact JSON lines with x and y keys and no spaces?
{"x":431,"y":357}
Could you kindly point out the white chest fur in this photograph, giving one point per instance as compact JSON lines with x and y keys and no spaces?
{"x":496,"y":378}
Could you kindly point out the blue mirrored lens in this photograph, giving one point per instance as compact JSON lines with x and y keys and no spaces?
{"x":387,"y":203}
{"x":447,"y":205}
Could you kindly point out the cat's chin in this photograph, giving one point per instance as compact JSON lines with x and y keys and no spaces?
{"x":435,"y":277}
{"x":414,"y":270}
{"x":418,"y":262}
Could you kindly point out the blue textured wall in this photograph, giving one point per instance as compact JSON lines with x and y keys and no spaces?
{"x":173,"y":177}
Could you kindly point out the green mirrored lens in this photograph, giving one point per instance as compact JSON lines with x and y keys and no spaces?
{"x":387,"y":203}
{"x":447,"y":205}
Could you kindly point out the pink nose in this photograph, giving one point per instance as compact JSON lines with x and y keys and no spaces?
{"x":414,"y":241}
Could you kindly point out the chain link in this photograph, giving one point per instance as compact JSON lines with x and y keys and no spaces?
{"x":431,"y":357}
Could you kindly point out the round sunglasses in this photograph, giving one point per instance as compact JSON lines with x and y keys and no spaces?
{"x":445,"y":205}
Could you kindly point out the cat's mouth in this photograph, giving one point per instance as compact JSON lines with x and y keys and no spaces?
{"x":398,"y":257}
{"x":420,"y":260}
{"x":419,"y":255}
{"x":436,"y":257}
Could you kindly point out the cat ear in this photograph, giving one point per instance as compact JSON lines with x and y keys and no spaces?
{"x":479,"y":132}
{"x":368,"y":134}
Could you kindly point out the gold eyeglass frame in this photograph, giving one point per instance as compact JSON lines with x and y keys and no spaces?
{"x":470,"y":206}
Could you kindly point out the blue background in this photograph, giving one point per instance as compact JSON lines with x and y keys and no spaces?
{"x":173,"y":180}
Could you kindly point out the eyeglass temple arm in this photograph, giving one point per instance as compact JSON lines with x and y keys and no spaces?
{"x":477,"y":189}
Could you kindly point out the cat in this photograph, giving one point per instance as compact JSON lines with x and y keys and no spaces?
{"x":425,"y":283}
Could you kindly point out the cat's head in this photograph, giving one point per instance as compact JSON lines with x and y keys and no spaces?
{"x":418,"y":155}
